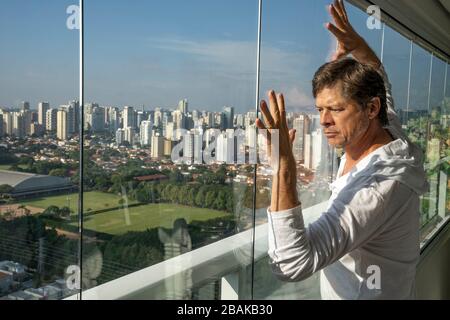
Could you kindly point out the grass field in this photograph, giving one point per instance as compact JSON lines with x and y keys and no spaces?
{"x":149,"y":216}
{"x":6,"y":166}
{"x":93,"y":200}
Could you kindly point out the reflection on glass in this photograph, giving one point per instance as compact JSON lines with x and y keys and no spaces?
{"x":38,"y":152}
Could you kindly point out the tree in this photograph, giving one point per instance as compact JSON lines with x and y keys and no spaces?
{"x":142,"y":195}
{"x":51,"y":211}
{"x":6,"y":189}
{"x":58,"y":172}
{"x":210,"y":198}
{"x":200,"y":196}
{"x":64,"y":213}
{"x":220,"y":201}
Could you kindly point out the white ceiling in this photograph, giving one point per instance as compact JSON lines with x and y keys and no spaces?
{"x":430,"y":19}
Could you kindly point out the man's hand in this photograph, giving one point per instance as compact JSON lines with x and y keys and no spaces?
{"x":349,"y":41}
{"x":284,"y":184}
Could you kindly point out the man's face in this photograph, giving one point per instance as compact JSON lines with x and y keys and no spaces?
{"x":343,"y":121}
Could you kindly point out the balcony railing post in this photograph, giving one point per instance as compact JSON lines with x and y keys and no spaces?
{"x":230,"y":287}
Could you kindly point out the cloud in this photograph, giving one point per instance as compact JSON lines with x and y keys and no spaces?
{"x":219,"y":72}
{"x":237,"y":57}
{"x":297,"y":98}
{"x":331,"y":48}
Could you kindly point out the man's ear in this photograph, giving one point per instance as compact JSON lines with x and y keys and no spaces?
{"x":373,"y":107}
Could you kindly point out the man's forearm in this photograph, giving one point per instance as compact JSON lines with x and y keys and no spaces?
{"x":284,"y":190}
{"x":364,"y":54}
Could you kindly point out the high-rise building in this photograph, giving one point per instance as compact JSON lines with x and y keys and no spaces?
{"x":209,"y":120}
{"x":307,"y":151}
{"x":157,"y":116}
{"x":95,"y":119}
{"x":195,"y":115}
{"x":70,"y":110}
{"x":249,"y":118}
{"x":145,"y":133}
{"x":178,"y":120}
{"x":18,"y":125}
{"x":250,"y":136}
{"x":301,"y":125}
{"x":42,"y":110}
{"x":169,"y":132}
{"x":129,"y":117}
{"x":25,"y":105}
{"x":129,"y":135}
{"x":192,"y":146}
{"x":62,"y":128}
{"x":7,"y":123}
{"x":183,"y":106}
{"x":226,"y":147}
{"x":27,"y":116}
{"x":157,"y":147}
{"x":51,"y":119}
{"x":120,"y":136}
{"x":239,"y":121}
{"x":141,"y":116}
{"x":228,"y":113}
{"x":36,"y":129}
{"x":188,"y":147}
{"x":316,"y":149}
{"x":75,"y":107}
{"x":112,"y":118}
{"x":220,"y":120}
{"x":168,"y":145}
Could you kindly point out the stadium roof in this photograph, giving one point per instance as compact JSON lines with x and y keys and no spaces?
{"x":27,"y":183}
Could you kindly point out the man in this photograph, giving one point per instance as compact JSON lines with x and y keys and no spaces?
{"x":366,"y":244}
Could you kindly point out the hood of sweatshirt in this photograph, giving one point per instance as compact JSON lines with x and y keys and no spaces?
{"x":398,"y":160}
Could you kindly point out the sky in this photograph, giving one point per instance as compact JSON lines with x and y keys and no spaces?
{"x":155,"y":53}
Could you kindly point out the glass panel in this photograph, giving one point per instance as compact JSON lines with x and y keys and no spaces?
{"x":396,"y":57}
{"x":165,"y":83}
{"x":38,"y":150}
{"x":418,"y":113}
{"x":291,"y":53}
{"x":444,"y":184}
{"x":434,"y":203}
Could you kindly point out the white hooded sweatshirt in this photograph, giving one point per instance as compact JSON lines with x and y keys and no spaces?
{"x":366,"y":244}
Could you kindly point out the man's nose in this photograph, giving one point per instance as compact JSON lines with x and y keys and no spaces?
{"x":326,"y":119}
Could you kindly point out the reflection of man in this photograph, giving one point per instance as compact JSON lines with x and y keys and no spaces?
{"x":367,"y":242}
{"x":178,"y":286}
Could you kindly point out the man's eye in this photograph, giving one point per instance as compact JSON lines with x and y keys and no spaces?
{"x":337,"y":110}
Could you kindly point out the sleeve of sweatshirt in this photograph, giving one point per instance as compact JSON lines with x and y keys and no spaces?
{"x":296,"y":251}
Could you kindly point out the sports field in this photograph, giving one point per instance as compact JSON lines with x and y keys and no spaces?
{"x":144,"y":217}
{"x":93,"y":200}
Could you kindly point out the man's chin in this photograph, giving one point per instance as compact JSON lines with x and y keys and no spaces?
{"x":335,"y":143}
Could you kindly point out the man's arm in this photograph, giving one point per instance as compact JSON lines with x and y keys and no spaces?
{"x":284,"y":180}
{"x":350,"y":42}
{"x":355,"y":217}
